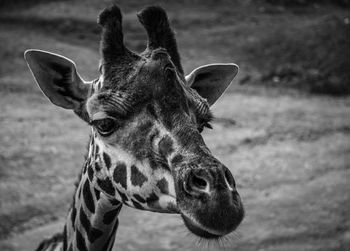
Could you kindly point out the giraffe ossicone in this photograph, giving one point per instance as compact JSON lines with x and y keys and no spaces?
{"x":145,"y":149}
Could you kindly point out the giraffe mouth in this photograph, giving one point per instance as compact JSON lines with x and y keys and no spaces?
{"x":214,"y":219}
{"x":199,"y":230}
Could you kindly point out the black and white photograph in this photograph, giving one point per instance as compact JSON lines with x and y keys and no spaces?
{"x":163,"y":125}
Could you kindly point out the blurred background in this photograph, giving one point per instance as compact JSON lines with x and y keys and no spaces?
{"x":283,"y":127}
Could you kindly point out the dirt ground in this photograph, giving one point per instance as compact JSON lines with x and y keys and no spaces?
{"x":289,"y":151}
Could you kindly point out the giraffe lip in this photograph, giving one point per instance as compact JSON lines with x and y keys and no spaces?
{"x":200,"y":230}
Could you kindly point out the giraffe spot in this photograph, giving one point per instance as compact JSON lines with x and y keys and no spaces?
{"x":70,"y":247}
{"x":106,"y":186}
{"x":97,"y":167}
{"x":73,"y":215}
{"x":97,"y":149}
{"x":163,"y":186}
{"x":153,"y":163}
{"x":137,"y":144}
{"x":88,"y":199}
{"x":110,"y":242}
{"x":92,"y":233}
{"x":122,"y":195}
{"x":151,"y":198}
{"x":166,"y":146}
{"x":81,"y":245}
{"x":107,"y":160}
{"x":178,"y":158}
{"x":97,"y":194}
{"x":136,"y":204}
{"x":85,"y":167}
{"x":78,"y":192}
{"x":137,"y":178}
{"x":65,"y":237}
{"x":110,"y":216}
{"x":139,"y":198}
{"x":164,"y":166}
{"x":115,"y":202}
{"x":119,"y":174}
{"x":90,"y":173}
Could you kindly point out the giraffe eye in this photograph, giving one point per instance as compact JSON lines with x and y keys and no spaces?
{"x":105,"y":126}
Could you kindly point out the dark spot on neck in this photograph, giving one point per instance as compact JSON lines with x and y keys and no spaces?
{"x":85,"y":167}
{"x":106,"y":186}
{"x":92,"y":233}
{"x":137,"y":205}
{"x":97,"y":149}
{"x":109,"y":243}
{"x":110,"y":216}
{"x":65,"y":237}
{"x":139,"y":198}
{"x":97,"y":166}
{"x":115,"y":202}
{"x":107,"y":160}
{"x":81,"y":245}
{"x":73,"y":215}
{"x":90,"y":173}
{"x":97,"y":194}
{"x":88,"y":199}
{"x":70,"y":247}
{"x":122,"y":196}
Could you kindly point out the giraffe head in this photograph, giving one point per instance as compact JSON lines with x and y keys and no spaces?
{"x":146,"y":116}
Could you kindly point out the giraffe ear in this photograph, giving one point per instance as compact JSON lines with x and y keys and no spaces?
{"x":58,"y":79}
{"x":211,"y":81}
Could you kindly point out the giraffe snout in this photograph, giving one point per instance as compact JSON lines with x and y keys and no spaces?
{"x":208,"y":181}
{"x":211,"y":206}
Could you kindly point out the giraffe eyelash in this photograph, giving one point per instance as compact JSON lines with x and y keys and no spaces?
{"x":207,"y":125}
{"x":105,"y":126}
{"x":204,"y":125}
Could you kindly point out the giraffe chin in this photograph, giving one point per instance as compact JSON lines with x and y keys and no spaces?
{"x":201,"y":231}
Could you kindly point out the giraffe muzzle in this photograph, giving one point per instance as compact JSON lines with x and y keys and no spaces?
{"x":211,"y":206}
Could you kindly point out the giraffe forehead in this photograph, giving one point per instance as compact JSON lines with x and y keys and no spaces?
{"x":100,"y":105}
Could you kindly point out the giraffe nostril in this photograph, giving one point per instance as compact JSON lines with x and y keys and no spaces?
{"x":229,"y":178}
{"x":198,"y":182}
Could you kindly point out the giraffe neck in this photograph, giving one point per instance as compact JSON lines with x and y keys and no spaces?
{"x":92,"y":221}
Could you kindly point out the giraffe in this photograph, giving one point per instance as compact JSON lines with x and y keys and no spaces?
{"x":145,"y":149}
